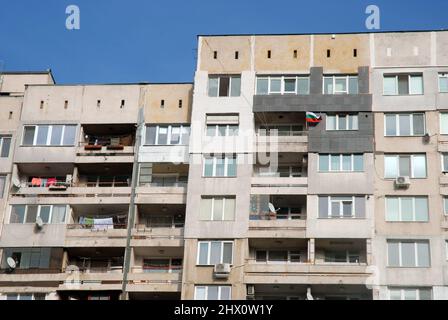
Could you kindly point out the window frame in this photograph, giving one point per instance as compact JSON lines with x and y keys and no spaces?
{"x":209,"y":242}
{"x":400,"y":253}
{"x":341,"y":164}
{"x":2,"y":185}
{"x":397,"y":87}
{"x":216,"y":133}
{"x":442,"y":75}
{"x":337,"y":123}
{"x":49,"y":135}
{"x":206,"y":287}
{"x":289,"y":254}
{"x":282,"y":79}
{"x":214,"y":166}
{"x":169,"y":128}
{"x":341,"y":207}
{"x":19,"y":294}
{"x":38,"y":213}
{"x":411,"y":124}
{"x":412,"y":169}
{"x":340,"y":77}
{"x":400,"y":213}
{"x":2,"y":138}
{"x":231,"y":79}
{"x":404,"y":289}
{"x":212,"y":209}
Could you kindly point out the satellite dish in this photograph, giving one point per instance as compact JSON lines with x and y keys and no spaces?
{"x":11,"y":263}
{"x":272,"y":208}
{"x":39,"y":223}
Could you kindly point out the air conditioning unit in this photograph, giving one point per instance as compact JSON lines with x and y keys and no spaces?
{"x":250,"y":290}
{"x":402,"y":182}
{"x":221,"y":271}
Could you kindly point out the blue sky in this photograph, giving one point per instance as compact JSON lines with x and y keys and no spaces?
{"x":155,"y":41}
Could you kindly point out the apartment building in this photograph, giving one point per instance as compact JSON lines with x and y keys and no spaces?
{"x":225,"y":189}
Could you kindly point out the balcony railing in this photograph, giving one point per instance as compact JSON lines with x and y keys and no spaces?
{"x":281,"y":133}
{"x":98,"y":227}
{"x":277,"y":216}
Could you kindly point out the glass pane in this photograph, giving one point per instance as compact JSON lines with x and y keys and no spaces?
{"x":6,"y":145}
{"x":31,"y":214}
{"x":403,"y":84}
{"x":217,"y":209}
{"x":444,"y":123}
{"x":56,"y":135}
{"x":342,"y":123}
{"x":390,"y":85}
{"x":358,"y":162}
{"x":208,"y":167}
{"x":391,"y":125}
{"x":423,"y":254}
{"x":392,"y":209}
{"x":425,"y":294}
{"x":408,"y":254}
{"x":443,"y":84}
{"x":407,"y":208}
{"x":347,"y":208}
{"x":206,"y":209}
{"x":233,"y":130}
{"x":231,"y":167}
{"x":395,"y":294}
{"x":335,"y":209}
{"x":445,"y":162}
{"x":419,"y":166}
{"x":261,"y":256}
{"x":220,"y":167}
{"x":331,"y":123}
{"x":328,"y":85}
{"x":227,"y":253}
{"x":410,"y":294}
{"x":405,"y":166}
{"x":42,"y":134}
{"x":163,"y":135}
{"x":213,"y":293}
{"x":419,"y":124}
{"x":335,"y":163}
{"x":353,"y":122}
{"x":340,"y":85}
{"x":277,"y":255}
{"x":416,"y":86}
{"x":229,"y":209}
{"x":225,"y":293}
{"x":303,"y":86}
{"x":58,"y":214}
{"x":421,"y":209}
{"x":262,"y":86}
{"x":393,"y":254}
{"x":390,"y":167}
{"x":203,"y":253}
{"x":346,"y":162}
{"x":2,"y":186}
{"x":211,"y":130}
{"x":323,"y":162}
{"x":44,"y":213}
{"x":224,"y":83}
{"x":213,"y":87}
{"x":405,"y":124}
{"x":236,"y":87}
{"x":276,"y":85}
{"x":215,"y":252}
{"x":28,"y":137}
{"x":353,"y":85}
{"x":17,"y":214}
{"x":175,"y":135}
{"x":200,"y":293}
{"x":290,"y":85}
{"x":69,"y":135}
{"x":151,"y":135}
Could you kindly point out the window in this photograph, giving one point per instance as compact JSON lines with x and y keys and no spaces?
{"x":215,"y":54}
{"x":162,"y":104}
{"x":407,"y":209}
{"x":217,"y":209}
{"x":224,"y":86}
{"x":342,"y":256}
{"x":267,"y":85}
{"x":404,"y":124}
{"x":212,"y":293}
{"x":5,"y":145}
{"x":2,"y":186}
{"x":167,"y":135}
{"x":295,"y":55}
{"x":49,"y":135}
{"x":355,"y":53}
{"x":282,"y":256}
{"x":342,"y":122}
{"x":445,"y":205}
{"x":444,"y":123}
{"x":413,"y":166}
{"x":25,"y":296}
{"x":410,"y":294}
{"x":165,"y":265}
{"x":220,"y":166}
{"x":328,"y":53}
{"x":180,"y":104}
{"x":342,"y":207}
{"x":409,"y":253}
{"x":53,"y":214}
{"x":222,"y":130}
{"x":269,"y":54}
{"x":28,"y":258}
{"x":403,"y":84}
{"x":237,"y":55}
{"x":445,"y":162}
{"x":215,"y":252}
{"x":340,"y":85}
{"x":443,"y":82}
{"x":341,"y":162}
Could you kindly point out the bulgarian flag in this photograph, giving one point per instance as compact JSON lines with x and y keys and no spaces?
{"x":313,"y":118}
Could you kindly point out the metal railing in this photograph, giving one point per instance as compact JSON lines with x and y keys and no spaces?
{"x":98,"y":227}
{"x":278,"y":216}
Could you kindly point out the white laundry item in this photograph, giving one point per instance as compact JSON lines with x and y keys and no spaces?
{"x":103,"y":224}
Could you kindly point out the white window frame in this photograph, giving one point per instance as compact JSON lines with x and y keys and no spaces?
{"x":226,"y":166}
{"x":409,"y":85}
{"x":282,"y":84}
{"x":39,"y":208}
{"x":49,"y":133}
{"x":209,"y":251}
{"x":445,"y":200}
{"x":24,"y":294}
{"x":398,"y":165}
{"x":341,"y":209}
{"x":339,"y":77}
{"x":442,"y":75}
{"x":411,"y":126}
{"x":227,"y":134}
{"x":2,"y":186}
{"x":336,"y":116}
{"x":400,"y":250}
{"x":10,"y":144}
{"x":403,"y":290}
{"x":168,"y":135}
{"x":224,"y":201}
{"x":400,"y":209}
{"x":206,"y":291}
{"x":440,"y":122}
{"x":288,"y":261}
{"x":341,"y":166}
{"x":348,"y":254}
{"x":231,"y":77}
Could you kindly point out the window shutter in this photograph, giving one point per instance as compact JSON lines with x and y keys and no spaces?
{"x":360,"y":207}
{"x":323,"y":207}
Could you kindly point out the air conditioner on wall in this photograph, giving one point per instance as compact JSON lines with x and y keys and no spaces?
{"x":402,"y":182}
{"x":221,"y":271}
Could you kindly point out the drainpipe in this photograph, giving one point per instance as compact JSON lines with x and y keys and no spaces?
{"x":131,"y":218}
